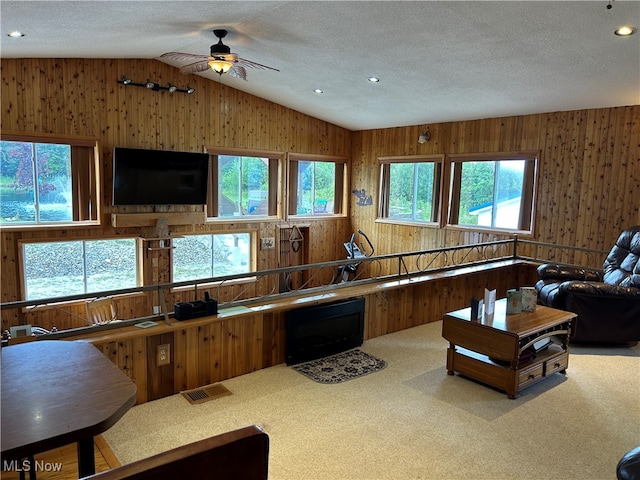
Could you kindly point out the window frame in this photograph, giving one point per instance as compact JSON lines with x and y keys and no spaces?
{"x":341,"y":185}
{"x":253,"y":259}
{"x":383,"y":200}
{"x":529,"y":187}
{"x":86,"y":178}
{"x":22,"y":259}
{"x":276,"y":161}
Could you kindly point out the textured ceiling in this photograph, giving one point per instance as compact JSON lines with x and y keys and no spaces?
{"x":438,"y":61}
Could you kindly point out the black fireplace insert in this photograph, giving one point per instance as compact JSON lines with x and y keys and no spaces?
{"x":323,"y":330}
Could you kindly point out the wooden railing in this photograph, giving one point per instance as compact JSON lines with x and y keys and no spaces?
{"x":328,"y":276}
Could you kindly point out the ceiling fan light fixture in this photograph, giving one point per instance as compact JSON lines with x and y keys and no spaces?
{"x":220,"y":66}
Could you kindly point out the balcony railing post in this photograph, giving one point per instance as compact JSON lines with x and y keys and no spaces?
{"x":515,"y":245}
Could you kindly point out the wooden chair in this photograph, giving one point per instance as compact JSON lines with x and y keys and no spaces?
{"x":101,"y":310}
{"x":239,"y":454}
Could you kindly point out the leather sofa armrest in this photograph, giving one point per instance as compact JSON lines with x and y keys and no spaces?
{"x":598,"y":289}
{"x":567,"y":272}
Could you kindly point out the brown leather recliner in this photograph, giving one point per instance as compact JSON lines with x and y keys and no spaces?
{"x":606,"y":301}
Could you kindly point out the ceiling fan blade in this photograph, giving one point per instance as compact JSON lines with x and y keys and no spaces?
{"x":258,"y":66}
{"x":183,"y":56}
{"x":199,"y":66}
{"x":238,"y":71}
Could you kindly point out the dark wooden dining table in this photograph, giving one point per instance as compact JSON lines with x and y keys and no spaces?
{"x":57,"y":392}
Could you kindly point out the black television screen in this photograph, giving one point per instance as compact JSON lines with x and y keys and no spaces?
{"x":159,"y":177}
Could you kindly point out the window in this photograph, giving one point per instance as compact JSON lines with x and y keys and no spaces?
{"x":243,"y":184}
{"x":410,"y":188}
{"x":56,"y":269}
{"x":211,"y":255}
{"x":493,"y":191}
{"x":46,"y":180}
{"x":316,"y":185}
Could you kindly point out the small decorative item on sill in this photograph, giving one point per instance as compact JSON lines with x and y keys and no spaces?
{"x":514,"y":301}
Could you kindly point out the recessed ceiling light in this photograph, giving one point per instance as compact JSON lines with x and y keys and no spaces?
{"x":318,"y":90}
{"x":625,"y":31}
{"x":15,"y":34}
{"x":373,"y":79}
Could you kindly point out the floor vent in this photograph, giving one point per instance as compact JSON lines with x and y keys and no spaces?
{"x":206,"y":393}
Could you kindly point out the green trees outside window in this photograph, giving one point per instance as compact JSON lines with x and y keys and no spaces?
{"x":35,"y":183}
{"x":316,"y":188}
{"x":491,"y":193}
{"x":411,"y":189}
{"x":243,"y":186}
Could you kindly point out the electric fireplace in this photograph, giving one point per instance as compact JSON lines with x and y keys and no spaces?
{"x":323,"y":330}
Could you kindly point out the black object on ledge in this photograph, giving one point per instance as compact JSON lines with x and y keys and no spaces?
{"x":199,"y":308}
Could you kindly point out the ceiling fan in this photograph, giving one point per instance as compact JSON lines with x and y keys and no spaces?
{"x":221,"y":60}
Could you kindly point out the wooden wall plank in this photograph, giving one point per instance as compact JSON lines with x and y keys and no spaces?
{"x":574,"y":205}
{"x":83,"y":97}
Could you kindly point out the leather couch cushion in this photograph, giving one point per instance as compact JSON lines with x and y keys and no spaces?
{"x":629,"y":465}
{"x":621,"y":267}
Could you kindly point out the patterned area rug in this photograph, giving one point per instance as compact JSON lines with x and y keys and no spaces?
{"x":341,"y":367}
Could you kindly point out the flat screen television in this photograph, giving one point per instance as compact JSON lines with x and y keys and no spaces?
{"x":159,"y":177}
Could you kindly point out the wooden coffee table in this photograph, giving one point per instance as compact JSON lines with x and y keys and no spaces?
{"x":493,"y":350}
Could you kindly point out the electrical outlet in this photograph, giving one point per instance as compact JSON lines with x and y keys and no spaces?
{"x":156,"y":309}
{"x":267,"y":243}
{"x":163,"y":354}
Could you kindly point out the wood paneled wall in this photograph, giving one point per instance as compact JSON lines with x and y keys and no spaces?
{"x":588,"y":190}
{"x":210,"y":350}
{"x":588,"y":179}
{"x":83,"y":97}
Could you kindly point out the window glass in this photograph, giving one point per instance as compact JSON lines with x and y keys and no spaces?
{"x":55,"y":269}
{"x":49,"y":181}
{"x":494,"y":193}
{"x":197,"y":257}
{"x":490,"y":193}
{"x":410,"y":188}
{"x":24,"y":165}
{"x":411,"y":191}
{"x":316,"y":188}
{"x":243,"y":186}
{"x":316,"y":185}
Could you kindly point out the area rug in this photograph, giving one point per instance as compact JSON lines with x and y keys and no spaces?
{"x":341,"y":367}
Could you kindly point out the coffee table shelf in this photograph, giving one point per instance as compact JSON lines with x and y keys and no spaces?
{"x":490,"y":350}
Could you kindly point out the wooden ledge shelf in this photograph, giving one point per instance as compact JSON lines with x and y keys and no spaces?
{"x":304,"y":299}
{"x":243,"y":339}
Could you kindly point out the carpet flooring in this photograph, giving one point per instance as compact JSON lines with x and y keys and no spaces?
{"x":412,"y":420}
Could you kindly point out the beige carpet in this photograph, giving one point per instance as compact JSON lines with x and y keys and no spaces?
{"x":413,"y":421}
